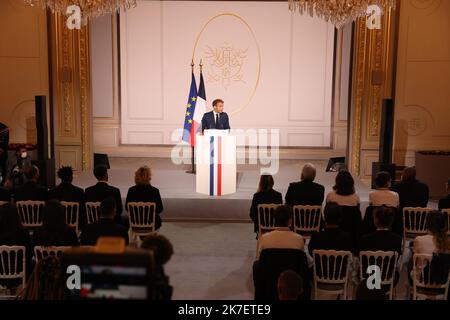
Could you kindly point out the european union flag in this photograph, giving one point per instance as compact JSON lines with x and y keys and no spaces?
{"x":188,"y":132}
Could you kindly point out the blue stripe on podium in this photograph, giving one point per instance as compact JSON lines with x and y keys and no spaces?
{"x":211,"y":167}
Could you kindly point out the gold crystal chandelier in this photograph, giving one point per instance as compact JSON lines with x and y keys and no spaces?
{"x":89,"y":8}
{"x":338,"y":12}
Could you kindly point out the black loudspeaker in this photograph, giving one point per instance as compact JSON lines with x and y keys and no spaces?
{"x":41,"y":127}
{"x":101,"y":159}
{"x":387,"y":131}
{"x":336,"y":164}
{"x":46,"y":164}
{"x":388,"y":167}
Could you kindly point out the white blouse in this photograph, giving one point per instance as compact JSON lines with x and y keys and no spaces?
{"x":385,"y":197}
{"x":424,"y":244}
{"x":351,"y":200}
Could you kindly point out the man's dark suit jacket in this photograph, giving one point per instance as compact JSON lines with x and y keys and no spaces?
{"x":330,"y":239}
{"x":63,"y":237}
{"x":412,"y":193}
{"x":273,"y":262}
{"x":381,"y":240}
{"x":305,"y":192}
{"x":70,"y":193}
{"x":209,"y":121}
{"x":5,"y":194}
{"x":267,"y":197}
{"x":101,"y":191}
{"x":103,"y":227}
{"x":146,"y":193}
{"x":444,"y":203}
{"x":368,"y":224}
{"x":30,"y":190}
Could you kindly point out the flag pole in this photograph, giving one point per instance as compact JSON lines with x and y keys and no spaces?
{"x":192,"y":147}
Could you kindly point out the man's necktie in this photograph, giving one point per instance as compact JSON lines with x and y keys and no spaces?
{"x":217,"y":121}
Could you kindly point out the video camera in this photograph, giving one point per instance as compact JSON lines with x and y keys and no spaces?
{"x":126,"y":275}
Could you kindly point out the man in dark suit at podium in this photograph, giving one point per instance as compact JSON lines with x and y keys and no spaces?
{"x":216,"y":119}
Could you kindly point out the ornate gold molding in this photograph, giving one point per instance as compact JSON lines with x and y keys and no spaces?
{"x":72,"y":90}
{"x":64,"y":65}
{"x":371,"y":78}
{"x":84,"y":71}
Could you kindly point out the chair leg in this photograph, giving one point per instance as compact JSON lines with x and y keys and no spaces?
{"x":316,"y":294}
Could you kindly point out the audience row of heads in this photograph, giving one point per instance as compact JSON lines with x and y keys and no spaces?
{"x":142,"y":176}
{"x":266,"y":181}
{"x":344,"y":182}
{"x":54,"y":220}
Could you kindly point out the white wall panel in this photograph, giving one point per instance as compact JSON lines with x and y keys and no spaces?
{"x":272,"y":67}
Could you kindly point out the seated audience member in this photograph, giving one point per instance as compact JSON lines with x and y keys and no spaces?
{"x":444,"y":203}
{"x":163,"y":251}
{"x":272,"y":263}
{"x":5,"y":194}
{"x":290,"y":285}
{"x":368,"y":225}
{"x":344,"y":193}
{"x":66,"y":191}
{"x":364,"y":293}
{"x":143,"y":191}
{"x":30,"y":190}
{"x":412,"y":193}
{"x":12,"y":233}
{"x":382,"y":239}
{"x":105,"y":226}
{"x":282,"y":237}
{"x":265,"y":195}
{"x":436,"y":240}
{"x":102,"y":190}
{"x":306,"y":191}
{"x":54,"y":230}
{"x":382,"y":196}
{"x":332,"y":238}
{"x":47,"y":282}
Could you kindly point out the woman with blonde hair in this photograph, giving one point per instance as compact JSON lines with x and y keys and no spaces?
{"x":143,"y":191}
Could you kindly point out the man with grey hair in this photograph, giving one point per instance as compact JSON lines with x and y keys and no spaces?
{"x":306,"y":191}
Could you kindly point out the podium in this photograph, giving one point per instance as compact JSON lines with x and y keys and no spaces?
{"x":216,"y":163}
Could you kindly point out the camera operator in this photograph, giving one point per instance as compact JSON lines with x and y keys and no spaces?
{"x":4,"y":142}
{"x":16,"y":167}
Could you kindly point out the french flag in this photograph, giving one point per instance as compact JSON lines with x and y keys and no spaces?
{"x":200,"y":107}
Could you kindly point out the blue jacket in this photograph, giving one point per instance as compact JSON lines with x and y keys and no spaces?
{"x":209,"y":122}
